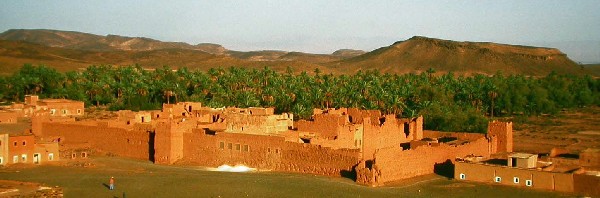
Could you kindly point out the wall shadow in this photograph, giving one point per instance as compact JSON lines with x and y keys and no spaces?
{"x":350,"y":174}
{"x":445,"y":169}
{"x":151,"y":151}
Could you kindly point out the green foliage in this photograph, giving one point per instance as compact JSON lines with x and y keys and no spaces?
{"x":448,"y":102}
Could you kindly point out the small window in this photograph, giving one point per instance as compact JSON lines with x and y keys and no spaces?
{"x":15,"y":143}
{"x":237,"y":147}
{"x":516,"y":180}
{"x":24,"y":157}
{"x":50,"y":156}
{"x":0,"y":142}
{"x":24,"y":143}
{"x":84,"y":155}
{"x":221,"y":145}
{"x":229,"y":146}
{"x":528,"y":182}
{"x":78,"y":111}
{"x":269,"y":150}
{"x":245,"y":148}
{"x":52,"y":111}
{"x":15,"y":159}
{"x":498,"y":179}
{"x":73,"y":155}
{"x":64,"y":111}
{"x":276,"y":150}
{"x":1,"y":160}
{"x":462,"y":176}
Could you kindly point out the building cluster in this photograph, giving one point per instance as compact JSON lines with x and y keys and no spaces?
{"x":365,"y":145}
{"x":24,"y":147}
{"x":557,"y":171}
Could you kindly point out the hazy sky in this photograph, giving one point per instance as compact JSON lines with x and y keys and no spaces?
{"x":322,"y":26}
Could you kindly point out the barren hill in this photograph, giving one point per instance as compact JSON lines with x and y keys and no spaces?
{"x":14,"y":54}
{"x":67,"y":50}
{"x":418,"y":54}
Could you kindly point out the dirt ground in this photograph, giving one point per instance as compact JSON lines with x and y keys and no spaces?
{"x":144,"y":179}
{"x":575,"y":130}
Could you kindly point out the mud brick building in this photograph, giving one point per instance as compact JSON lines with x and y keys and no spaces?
{"x":25,"y":149}
{"x":361,"y":144}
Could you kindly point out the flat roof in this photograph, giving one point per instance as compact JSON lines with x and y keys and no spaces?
{"x":522,"y":155}
{"x":57,"y":100}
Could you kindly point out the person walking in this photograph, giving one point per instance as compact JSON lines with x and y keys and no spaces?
{"x":111,"y":183}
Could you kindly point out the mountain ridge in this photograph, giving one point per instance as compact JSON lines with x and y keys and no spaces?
{"x":414,"y":55}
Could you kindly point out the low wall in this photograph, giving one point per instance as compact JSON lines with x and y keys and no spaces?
{"x":588,"y":185}
{"x":266,"y":152}
{"x":117,"y":141}
{"x":540,"y":179}
{"x":393,"y":164}
{"x":460,"y":136}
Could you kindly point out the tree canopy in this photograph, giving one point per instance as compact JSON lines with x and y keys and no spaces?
{"x":448,"y":102}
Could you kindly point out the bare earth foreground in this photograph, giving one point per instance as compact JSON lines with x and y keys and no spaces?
{"x":144,"y":179}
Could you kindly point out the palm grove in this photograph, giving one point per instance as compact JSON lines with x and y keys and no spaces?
{"x":448,"y":102}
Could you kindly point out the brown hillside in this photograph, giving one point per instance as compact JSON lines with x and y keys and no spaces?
{"x":420,"y":53}
{"x":90,"y":42}
{"x":348,"y":53}
{"x":593,"y":68}
{"x":13,"y":54}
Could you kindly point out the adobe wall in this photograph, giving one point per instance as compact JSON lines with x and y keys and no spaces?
{"x":396,"y":164}
{"x":47,"y":149}
{"x":590,"y":157}
{"x":324,"y":125}
{"x":357,"y":116}
{"x":389,"y":134}
{"x":588,"y":185}
{"x":266,"y":152}
{"x":168,"y":141}
{"x":504,"y":133}
{"x":4,"y":149}
{"x":8,"y":117}
{"x":460,"y":136}
{"x":19,"y":145}
{"x":540,"y":179}
{"x":350,"y":136}
{"x":117,"y":141}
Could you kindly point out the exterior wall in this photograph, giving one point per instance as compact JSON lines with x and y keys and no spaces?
{"x":590,"y":157}
{"x":266,"y":152}
{"x":460,"y":136}
{"x":324,"y":125}
{"x":8,"y":117}
{"x":47,"y":152}
{"x":540,"y":179}
{"x":530,"y":162}
{"x":31,"y":99}
{"x":133,"y":143}
{"x":21,"y":146}
{"x":389,"y":134}
{"x":395,"y":164}
{"x":62,"y":107}
{"x":168,"y":143}
{"x":588,"y":185}
{"x":350,"y":136}
{"x":4,"y":144}
{"x":504,"y":134}
{"x":357,"y":116}
{"x":258,"y":124}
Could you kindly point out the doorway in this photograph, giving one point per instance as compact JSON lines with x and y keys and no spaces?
{"x":36,"y":158}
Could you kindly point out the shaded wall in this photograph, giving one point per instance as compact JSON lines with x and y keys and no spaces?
{"x":118,"y":141}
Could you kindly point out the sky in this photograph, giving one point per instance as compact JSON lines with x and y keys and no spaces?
{"x":573,"y":26}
